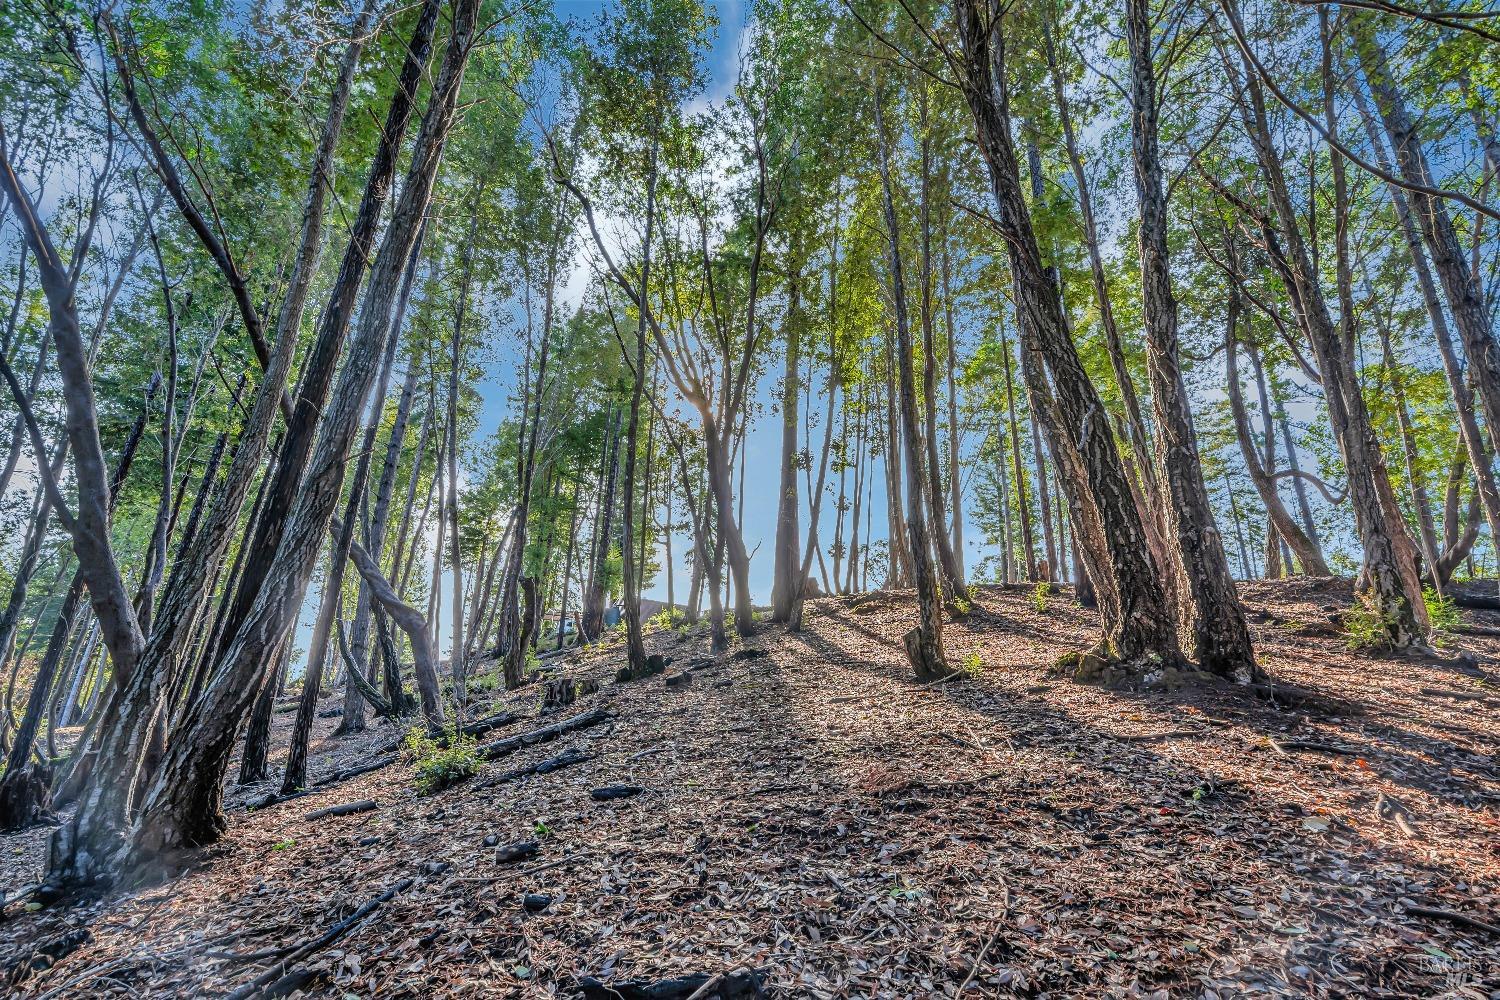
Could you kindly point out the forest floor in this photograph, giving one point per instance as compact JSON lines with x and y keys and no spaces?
{"x":816,"y":816}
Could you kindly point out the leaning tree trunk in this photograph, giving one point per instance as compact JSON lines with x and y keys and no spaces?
{"x":182,"y":808}
{"x":1140,"y":628}
{"x":1465,"y":298}
{"x":1389,"y":588}
{"x":1308,"y":554}
{"x":1471,"y":436}
{"x":26,"y":793}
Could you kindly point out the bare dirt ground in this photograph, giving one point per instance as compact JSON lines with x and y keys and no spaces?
{"x":815,"y":815}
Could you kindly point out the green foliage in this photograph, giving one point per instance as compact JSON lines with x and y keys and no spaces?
{"x":973,"y":664}
{"x":1367,"y":627}
{"x":1442,"y":614}
{"x":1039,"y":595}
{"x":668,"y":619}
{"x":441,"y":763}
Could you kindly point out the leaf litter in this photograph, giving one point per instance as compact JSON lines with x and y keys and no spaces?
{"x":813,"y":820}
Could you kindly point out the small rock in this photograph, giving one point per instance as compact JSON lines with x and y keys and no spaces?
{"x":536,"y":902}
{"x":436,"y":867}
{"x":368,"y":841}
{"x":492,"y":841}
{"x":726,"y":682}
{"x":516,"y":852}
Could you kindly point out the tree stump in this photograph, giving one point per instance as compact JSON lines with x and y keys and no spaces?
{"x":26,"y":797}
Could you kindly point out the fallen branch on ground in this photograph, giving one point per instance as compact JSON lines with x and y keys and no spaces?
{"x":479,"y":727}
{"x":1456,"y":695}
{"x":567,"y":758}
{"x":1170,"y":734}
{"x":721,"y":986}
{"x":347,"y":809}
{"x":1453,"y":916}
{"x":546,"y":734}
{"x":1310,"y":746}
{"x":267,"y":982}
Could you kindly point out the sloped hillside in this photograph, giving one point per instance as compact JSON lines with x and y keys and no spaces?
{"x":799,"y":817}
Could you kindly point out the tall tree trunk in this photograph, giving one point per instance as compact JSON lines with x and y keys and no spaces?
{"x":635,"y":646}
{"x":1023,"y":505}
{"x":592,"y":625}
{"x":1389,"y":586}
{"x":1465,"y":297}
{"x":1138,"y":624}
{"x":924,"y":644}
{"x":788,"y":528}
{"x":182,"y":808}
{"x":1211,"y":614}
{"x":953,"y":577}
{"x":1458,"y":378}
{"x":1134,"y":422}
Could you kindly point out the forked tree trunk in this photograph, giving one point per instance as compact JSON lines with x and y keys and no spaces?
{"x":1139,"y":629}
{"x":183,"y":807}
{"x":1211,"y":611}
{"x":1389,"y":587}
{"x":1308,"y":554}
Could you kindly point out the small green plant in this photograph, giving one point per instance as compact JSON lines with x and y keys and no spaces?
{"x":1366,"y":627}
{"x":962,"y":604}
{"x":1442,"y":615}
{"x":1039,"y":596}
{"x":533,"y":662}
{"x":972,"y":665}
{"x":282,"y":845}
{"x":441,"y":763}
{"x":667,"y":619}
{"x":541,"y":830}
{"x":901,"y":889}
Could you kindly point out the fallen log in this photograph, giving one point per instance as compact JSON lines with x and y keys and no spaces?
{"x":1469,"y":596}
{"x":385,"y":760}
{"x":567,"y":758}
{"x":347,"y":809}
{"x":546,"y":734}
{"x":478,"y":727}
{"x":272,"y":978}
{"x":1485,"y":630}
{"x":1453,"y":917}
{"x":737,"y":985}
{"x":1310,"y":746}
{"x":611,"y":792}
{"x":1456,"y":695}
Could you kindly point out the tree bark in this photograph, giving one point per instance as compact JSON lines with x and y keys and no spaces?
{"x":924,"y":644}
{"x":1140,"y":628}
{"x":1211,"y":611}
{"x":183,"y":807}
